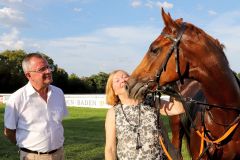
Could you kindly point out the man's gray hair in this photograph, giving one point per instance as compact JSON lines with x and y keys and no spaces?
{"x":26,"y":60}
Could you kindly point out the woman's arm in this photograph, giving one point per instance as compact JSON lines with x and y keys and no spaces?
{"x":175,"y":107}
{"x":171,"y":108}
{"x":110,"y":129}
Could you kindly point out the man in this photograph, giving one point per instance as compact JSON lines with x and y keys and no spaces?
{"x":33,"y":114}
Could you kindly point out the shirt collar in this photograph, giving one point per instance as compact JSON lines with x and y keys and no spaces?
{"x":30,"y":90}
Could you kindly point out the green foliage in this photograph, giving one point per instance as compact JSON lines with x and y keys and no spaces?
{"x":238,"y":75}
{"x":76,"y":85}
{"x":12,"y":76}
{"x":60,"y":78}
{"x":93,"y":84}
{"x":11,"y":73}
{"x":4,"y":73}
{"x":100,"y":80}
{"x":97,"y":82}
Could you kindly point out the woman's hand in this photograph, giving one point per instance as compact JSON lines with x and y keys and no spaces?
{"x":171,"y":108}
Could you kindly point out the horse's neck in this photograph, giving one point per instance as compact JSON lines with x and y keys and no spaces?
{"x":189,"y":88}
{"x":219,"y":88}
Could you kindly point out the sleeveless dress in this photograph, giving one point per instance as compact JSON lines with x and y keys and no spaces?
{"x":136,"y":126}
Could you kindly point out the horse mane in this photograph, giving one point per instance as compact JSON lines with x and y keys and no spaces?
{"x":209,"y":39}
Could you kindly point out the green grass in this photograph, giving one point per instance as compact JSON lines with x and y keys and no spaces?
{"x":84,"y":135}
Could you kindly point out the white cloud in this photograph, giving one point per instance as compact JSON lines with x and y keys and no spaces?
{"x":165,"y":4}
{"x":77,"y":9}
{"x":11,"y":40}
{"x":104,"y":50}
{"x":136,"y":3}
{"x":10,"y":17}
{"x":149,"y":4}
{"x":12,"y":1}
{"x":211,"y":12}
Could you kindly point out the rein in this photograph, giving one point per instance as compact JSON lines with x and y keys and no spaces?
{"x":171,"y":92}
{"x":202,"y":132}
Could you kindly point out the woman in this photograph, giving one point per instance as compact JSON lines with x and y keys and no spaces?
{"x":131,"y":127}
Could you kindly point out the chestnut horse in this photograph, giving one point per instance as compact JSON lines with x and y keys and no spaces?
{"x":200,"y":57}
{"x":179,"y":124}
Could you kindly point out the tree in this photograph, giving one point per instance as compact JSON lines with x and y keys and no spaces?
{"x":60,"y":78}
{"x":101,"y":80}
{"x":12,"y":76}
{"x":15,"y":77}
{"x":90,"y":84}
{"x":4,"y":74}
{"x":96,"y":83}
{"x":238,"y":75}
{"x":76,"y":85}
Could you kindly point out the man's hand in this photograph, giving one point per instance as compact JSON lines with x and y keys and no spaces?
{"x":10,"y":134}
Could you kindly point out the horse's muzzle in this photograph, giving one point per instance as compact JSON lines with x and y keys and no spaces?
{"x":138,"y":89}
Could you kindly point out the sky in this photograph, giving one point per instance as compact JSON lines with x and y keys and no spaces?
{"x":86,"y":37}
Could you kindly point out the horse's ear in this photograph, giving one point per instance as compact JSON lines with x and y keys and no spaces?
{"x":168,"y":21}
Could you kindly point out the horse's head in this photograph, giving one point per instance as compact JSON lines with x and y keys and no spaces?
{"x":169,"y":57}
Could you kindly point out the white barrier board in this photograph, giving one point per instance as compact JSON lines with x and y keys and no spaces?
{"x":80,"y":100}
{"x":4,"y":98}
{"x":86,"y":100}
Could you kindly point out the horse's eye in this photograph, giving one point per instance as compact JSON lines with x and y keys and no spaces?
{"x":155,"y":50}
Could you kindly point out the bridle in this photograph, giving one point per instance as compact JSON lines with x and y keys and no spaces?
{"x":172,"y":92}
{"x":168,"y":89}
{"x":173,"y":49}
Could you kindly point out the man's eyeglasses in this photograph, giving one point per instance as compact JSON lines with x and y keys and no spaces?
{"x":43,"y":69}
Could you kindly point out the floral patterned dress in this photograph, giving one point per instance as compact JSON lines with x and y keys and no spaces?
{"x":137,"y":134}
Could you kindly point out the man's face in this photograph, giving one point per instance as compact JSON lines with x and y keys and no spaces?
{"x":40,"y":73}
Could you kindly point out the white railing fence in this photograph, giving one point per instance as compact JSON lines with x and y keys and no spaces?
{"x":79,"y":100}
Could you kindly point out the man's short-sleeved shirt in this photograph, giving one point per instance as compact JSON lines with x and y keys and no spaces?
{"x":38,"y":123}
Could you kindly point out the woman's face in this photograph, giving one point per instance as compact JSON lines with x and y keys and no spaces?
{"x":119,"y":82}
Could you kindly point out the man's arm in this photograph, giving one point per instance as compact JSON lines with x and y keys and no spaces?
{"x":10,"y":134}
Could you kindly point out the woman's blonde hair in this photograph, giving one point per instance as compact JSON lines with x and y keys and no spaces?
{"x":111,"y":98}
